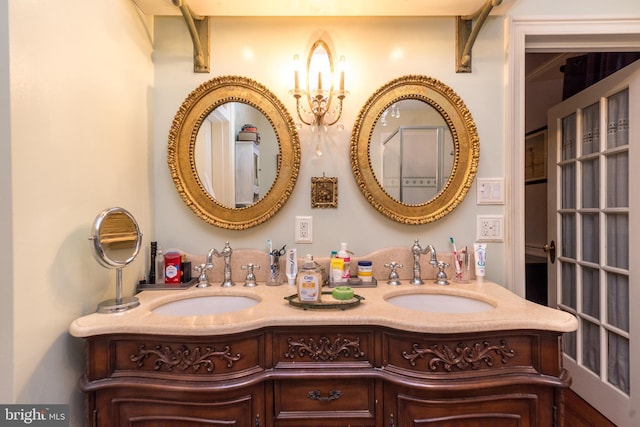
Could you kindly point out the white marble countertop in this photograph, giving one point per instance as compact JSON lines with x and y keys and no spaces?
{"x":510,"y":312}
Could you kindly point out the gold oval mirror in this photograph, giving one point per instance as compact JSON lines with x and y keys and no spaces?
{"x":414,"y":150}
{"x":234,"y":152}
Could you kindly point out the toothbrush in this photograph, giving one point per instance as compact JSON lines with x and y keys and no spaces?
{"x":455,"y":256}
{"x":270,"y":249}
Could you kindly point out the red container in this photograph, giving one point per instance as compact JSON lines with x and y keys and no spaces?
{"x":172,"y":267}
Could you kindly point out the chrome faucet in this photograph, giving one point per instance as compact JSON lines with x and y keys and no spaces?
{"x":226,"y":254}
{"x":417,"y":250}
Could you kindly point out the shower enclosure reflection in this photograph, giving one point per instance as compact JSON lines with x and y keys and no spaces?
{"x":412,"y":152}
{"x":416,"y":162}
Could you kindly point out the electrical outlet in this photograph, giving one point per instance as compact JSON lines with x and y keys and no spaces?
{"x":490,"y":228}
{"x":303,"y":231}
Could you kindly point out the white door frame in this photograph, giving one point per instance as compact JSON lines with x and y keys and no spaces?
{"x":545,"y":33}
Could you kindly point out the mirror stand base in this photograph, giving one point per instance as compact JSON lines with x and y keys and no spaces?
{"x":118,"y":306}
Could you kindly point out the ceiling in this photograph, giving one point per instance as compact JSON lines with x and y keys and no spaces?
{"x":316,"y":7}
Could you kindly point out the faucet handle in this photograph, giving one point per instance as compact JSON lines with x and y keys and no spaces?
{"x":250,"y":280}
{"x":394,"y":278}
{"x":203,"y":280}
{"x":441,"y":277}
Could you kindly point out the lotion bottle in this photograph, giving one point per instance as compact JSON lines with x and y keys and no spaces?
{"x":343,"y":254}
{"x":309,"y":281}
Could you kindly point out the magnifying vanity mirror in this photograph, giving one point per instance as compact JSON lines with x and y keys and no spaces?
{"x":116,"y":241}
{"x":414,"y":150}
{"x":234,"y":152}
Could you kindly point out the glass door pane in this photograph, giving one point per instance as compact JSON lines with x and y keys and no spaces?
{"x":593,"y":222}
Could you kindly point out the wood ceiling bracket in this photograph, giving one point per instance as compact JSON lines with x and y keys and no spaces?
{"x":199,"y":30}
{"x":467,"y":32}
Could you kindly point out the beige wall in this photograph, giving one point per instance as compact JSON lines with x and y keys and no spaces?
{"x":6,"y":240}
{"x":89,"y":110}
{"x":81,"y":89}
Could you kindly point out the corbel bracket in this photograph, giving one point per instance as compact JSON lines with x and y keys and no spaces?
{"x":199,"y":30}
{"x":466,"y":34}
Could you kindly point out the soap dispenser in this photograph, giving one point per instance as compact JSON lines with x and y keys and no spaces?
{"x":309,"y":281}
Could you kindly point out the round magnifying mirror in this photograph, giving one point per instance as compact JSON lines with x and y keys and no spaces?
{"x":116,"y":241}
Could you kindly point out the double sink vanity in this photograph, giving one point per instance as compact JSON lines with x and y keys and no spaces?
{"x":468,"y":354}
{"x":465,"y":354}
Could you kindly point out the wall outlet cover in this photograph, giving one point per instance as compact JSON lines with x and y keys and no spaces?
{"x":303,"y":229}
{"x":490,"y":228}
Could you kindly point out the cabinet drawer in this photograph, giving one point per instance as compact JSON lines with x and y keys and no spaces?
{"x":465,"y":355}
{"x":207,"y":358}
{"x":328,"y":346}
{"x":335,"y":399}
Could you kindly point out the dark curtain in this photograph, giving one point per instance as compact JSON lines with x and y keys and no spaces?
{"x":582,"y":71}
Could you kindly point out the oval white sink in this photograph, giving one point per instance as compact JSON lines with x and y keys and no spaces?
{"x":440,"y":303}
{"x":204,"y":306}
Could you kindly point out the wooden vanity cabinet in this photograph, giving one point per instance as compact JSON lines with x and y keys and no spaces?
{"x":497,"y":379}
{"x":326,"y":376}
{"x":167,"y":381}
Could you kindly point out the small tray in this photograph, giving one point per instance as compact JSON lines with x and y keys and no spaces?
{"x":354,"y":282}
{"x":329,"y":302}
{"x":165,"y":286}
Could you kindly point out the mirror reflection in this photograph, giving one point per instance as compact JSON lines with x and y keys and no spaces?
{"x":411,"y":151}
{"x":236,"y":154}
{"x":117,"y":238}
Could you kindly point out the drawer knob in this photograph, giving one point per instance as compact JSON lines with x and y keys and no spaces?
{"x":316,"y":395}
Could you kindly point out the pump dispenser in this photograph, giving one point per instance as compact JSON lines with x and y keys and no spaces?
{"x":309,"y":281}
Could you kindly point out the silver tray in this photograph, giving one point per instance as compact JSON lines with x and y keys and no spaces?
{"x":329,"y":302}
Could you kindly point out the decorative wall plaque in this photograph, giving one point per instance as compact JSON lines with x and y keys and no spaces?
{"x":324,"y":192}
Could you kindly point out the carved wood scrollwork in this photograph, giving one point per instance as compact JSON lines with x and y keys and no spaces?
{"x":463,"y":356}
{"x":183,"y":358}
{"x":324,"y":349}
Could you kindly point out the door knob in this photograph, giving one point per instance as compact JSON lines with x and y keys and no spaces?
{"x":550,"y":248}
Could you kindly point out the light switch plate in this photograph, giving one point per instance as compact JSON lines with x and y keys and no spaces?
{"x":490,"y":191}
{"x":490,"y":228}
{"x":303,"y":231}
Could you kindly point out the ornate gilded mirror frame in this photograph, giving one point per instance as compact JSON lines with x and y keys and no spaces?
{"x":465,"y":142}
{"x":181,"y":159}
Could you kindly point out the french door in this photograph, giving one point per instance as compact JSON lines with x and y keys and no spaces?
{"x":594,"y":220}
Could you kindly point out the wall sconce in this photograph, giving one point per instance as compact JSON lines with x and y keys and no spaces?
{"x":320,"y":109}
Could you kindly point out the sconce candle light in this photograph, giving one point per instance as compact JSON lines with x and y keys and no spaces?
{"x":318,"y":113}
